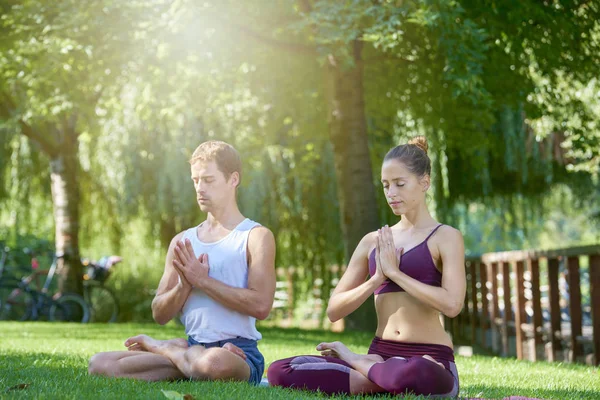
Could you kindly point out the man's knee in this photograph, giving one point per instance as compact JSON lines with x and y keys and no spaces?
{"x":213,"y":364}
{"x":99,"y":364}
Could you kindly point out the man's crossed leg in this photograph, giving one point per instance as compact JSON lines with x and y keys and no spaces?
{"x":153,"y":360}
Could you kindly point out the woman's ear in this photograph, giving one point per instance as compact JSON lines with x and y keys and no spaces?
{"x":425,"y":182}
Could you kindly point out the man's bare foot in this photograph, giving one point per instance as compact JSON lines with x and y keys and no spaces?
{"x":146,"y":343}
{"x":235,"y":350}
{"x":336,"y":349}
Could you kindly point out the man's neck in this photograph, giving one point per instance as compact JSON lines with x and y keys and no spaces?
{"x":227,"y":218}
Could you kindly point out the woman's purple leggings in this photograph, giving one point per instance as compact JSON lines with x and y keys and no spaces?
{"x":403,"y":370}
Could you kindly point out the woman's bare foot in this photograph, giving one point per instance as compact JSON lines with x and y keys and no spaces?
{"x":428,"y":357}
{"x":336,"y":349}
{"x":146,"y":343}
{"x":235,"y":350}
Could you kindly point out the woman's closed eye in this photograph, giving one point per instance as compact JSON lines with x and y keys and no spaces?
{"x":397,"y":185}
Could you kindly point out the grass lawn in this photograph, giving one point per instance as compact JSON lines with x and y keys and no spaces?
{"x":51,"y":359}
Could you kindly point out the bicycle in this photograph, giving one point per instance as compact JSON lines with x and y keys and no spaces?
{"x":19,"y":301}
{"x":103,"y":302}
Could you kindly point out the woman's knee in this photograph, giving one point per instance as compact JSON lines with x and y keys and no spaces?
{"x":396,"y":375}
{"x":420,"y":376}
{"x":277,"y":372}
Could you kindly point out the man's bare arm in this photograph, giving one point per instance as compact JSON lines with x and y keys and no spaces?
{"x":172,"y":291}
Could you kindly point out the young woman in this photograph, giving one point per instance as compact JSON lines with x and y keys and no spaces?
{"x":416,"y":271}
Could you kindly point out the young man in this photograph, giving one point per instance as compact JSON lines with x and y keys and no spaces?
{"x":220,"y":275}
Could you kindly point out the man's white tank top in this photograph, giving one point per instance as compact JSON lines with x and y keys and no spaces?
{"x":205,"y":319}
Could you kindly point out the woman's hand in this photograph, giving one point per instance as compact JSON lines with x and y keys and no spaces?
{"x":337,"y":350}
{"x":379,"y":277}
{"x":387,"y":256}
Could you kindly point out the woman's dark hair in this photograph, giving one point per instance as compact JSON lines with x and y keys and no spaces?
{"x":413,"y":155}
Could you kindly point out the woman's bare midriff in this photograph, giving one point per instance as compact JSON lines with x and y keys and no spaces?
{"x":403,"y":318}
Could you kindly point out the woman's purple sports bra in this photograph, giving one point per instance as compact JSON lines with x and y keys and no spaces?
{"x":416,"y":263}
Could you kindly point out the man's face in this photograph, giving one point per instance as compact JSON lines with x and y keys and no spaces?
{"x":212,"y":189}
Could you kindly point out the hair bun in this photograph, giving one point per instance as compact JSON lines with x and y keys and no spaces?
{"x":420,"y":142}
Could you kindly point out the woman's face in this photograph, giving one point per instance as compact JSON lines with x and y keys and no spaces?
{"x":403,"y":190}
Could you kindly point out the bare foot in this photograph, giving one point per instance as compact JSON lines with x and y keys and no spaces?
{"x":146,"y":343}
{"x":235,"y":350}
{"x":428,"y":357}
{"x":336,"y":349}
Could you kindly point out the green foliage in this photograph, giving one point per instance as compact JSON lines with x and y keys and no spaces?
{"x":24,"y":190}
{"x":507,"y":94}
{"x":546,"y":222}
{"x":45,"y":49}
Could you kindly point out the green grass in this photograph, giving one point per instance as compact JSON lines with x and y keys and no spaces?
{"x":52,"y":360}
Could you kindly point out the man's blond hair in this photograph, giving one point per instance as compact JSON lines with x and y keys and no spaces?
{"x":223,"y":154}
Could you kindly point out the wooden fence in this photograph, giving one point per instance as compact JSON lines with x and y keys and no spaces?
{"x":551,"y":312}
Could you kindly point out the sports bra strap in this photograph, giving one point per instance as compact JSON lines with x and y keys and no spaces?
{"x":432,"y":232}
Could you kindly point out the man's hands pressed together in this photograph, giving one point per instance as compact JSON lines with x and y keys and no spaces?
{"x":192,"y":271}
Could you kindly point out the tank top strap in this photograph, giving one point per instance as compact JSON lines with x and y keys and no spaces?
{"x":432,"y":232}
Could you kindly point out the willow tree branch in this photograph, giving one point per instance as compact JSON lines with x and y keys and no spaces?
{"x":7,"y":111}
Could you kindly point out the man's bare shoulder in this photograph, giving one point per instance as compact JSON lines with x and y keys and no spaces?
{"x":261,"y":246}
{"x":177,"y":238}
{"x":260,"y":235}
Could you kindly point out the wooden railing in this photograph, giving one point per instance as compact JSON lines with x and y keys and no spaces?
{"x":543,"y":316}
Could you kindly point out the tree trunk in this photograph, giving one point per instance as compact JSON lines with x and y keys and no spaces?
{"x":64,"y":172}
{"x":356,"y":191}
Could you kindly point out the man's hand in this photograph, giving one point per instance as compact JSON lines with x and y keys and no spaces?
{"x":191,"y":269}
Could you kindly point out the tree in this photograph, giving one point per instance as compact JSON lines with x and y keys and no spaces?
{"x":55,"y":63}
{"x":437,"y":65}
{"x":131,"y":89}
{"x":456,"y":71}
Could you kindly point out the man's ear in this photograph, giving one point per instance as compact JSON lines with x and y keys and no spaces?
{"x":235,"y":179}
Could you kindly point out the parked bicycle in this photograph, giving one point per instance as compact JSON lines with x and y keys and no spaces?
{"x":101,"y":299}
{"x":20,"y":300}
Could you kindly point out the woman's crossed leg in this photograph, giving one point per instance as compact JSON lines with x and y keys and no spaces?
{"x":339,"y":370}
